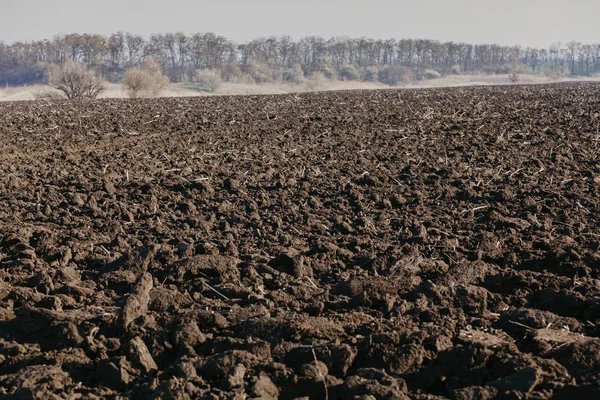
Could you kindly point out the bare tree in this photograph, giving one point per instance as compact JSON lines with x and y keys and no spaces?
{"x":115,"y":53}
{"x":571,"y":52}
{"x":208,"y":80}
{"x":135,"y":48}
{"x":75,"y":81}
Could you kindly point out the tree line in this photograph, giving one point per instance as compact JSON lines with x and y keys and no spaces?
{"x":272,"y":58}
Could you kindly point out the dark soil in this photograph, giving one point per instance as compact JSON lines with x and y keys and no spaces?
{"x":382,"y":244}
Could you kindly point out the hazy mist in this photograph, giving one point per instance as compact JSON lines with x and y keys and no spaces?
{"x":525,"y":22}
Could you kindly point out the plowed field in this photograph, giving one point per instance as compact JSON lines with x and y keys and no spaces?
{"x":381,"y":244}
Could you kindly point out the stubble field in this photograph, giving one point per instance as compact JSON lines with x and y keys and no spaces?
{"x":419,"y":244}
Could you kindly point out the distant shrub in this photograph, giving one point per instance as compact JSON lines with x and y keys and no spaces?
{"x":316,"y":81}
{"x":431,"y":74}
{"x":208,"y":80}
{"x":136,"y":82}
{"x":396,"y":74}
{"x":75,"y":81}
{"x":231,"y":72}
{"x":370,"y":74}
{"x":516,"y":69}
{"x":456,"y":69}
{"x":147,"y":81}
{"x":348,"y":72}
{"x":260,"y":72}
{"x":328,"y":69}
{"x":294,"y":74}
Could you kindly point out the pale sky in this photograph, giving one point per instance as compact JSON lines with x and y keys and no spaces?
{"x":507,"y":22}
